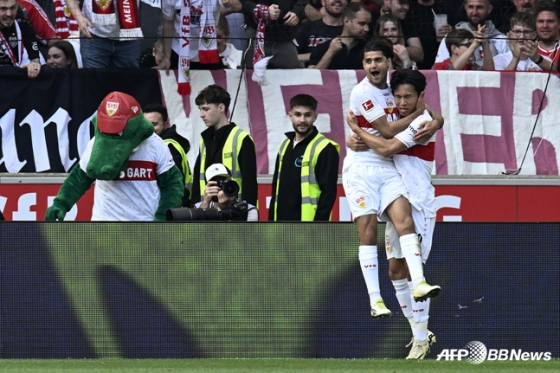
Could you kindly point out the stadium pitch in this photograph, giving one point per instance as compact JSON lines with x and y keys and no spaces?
{"x":269,"y":366}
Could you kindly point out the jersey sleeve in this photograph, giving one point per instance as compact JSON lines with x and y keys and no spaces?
{"x":407,"y":136}
{"x":366,"y":104}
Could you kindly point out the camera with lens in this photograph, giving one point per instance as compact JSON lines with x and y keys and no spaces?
{"x":237,"y":211}
{"x":228,"y":186}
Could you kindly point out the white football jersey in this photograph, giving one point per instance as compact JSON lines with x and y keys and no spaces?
{"x":135,"y":195}
{"x":415,"y":166}
{"x":369,"y":103}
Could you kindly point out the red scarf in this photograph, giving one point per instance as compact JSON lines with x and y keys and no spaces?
{"x":207,"y":45}
{"x":129,"y":17}
{"x":262,"y":17}
{"x":65,"y":22}
{"x":184,"y":77}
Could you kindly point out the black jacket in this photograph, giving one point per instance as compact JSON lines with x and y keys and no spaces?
{"x":289,"y":193}
{"x":276,"y":30}
{"x":214,"y":142}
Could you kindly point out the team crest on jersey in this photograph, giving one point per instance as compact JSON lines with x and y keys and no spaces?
{"x":368,"y":105}
{"x":111,"y":108}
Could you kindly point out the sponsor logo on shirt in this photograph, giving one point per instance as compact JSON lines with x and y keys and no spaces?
{"x":368,"y":105}
{"x":139,"y":171}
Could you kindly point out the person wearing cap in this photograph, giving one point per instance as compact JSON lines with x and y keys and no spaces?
{"x":306,"y":172}
{"x":177,"y":144}
{"x":215,"y":197}
{"x":134,"y":173}
{"x":224,"y":142}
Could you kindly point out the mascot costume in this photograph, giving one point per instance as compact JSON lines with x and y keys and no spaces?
{"x":134,"y":173}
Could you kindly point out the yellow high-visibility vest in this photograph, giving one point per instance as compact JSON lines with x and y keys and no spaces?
{"x":185,"y":168}
{"x":310,"y":191}
{"x":230,"y":159}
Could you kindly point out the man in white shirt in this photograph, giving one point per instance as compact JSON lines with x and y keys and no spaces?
{"x":478,"y":12}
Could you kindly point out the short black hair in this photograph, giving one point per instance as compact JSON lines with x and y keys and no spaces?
{"x":213,"y":94}
{"x":456,"y":36}
{"x":158,"y":108}
{"x":379,"y":44}
{"x":352,"y":9}
{"x":303,"y":100}
{"x":546,"y":7}
{"x":407,"y":76}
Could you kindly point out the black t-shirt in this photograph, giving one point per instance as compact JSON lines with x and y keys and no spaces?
{"x":345,"y":59}
{"x":419,"y":22}
{"x":29,"y":42}
{"x":314,"y":33}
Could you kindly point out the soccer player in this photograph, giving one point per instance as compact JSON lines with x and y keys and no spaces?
{"x":414,"y":161}
{"x":371,"y":181}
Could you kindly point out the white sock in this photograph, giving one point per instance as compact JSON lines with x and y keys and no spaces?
{"x":412,"y":252}
{"x":421,"y":315}
{"x":370,"y":270}
{"x":403,"y":296}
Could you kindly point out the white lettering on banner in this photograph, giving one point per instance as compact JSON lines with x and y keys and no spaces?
{"x":37,"y":126}
{"x":3,"y":201}
{"x":489,"y":116}
{"x":40,"y":154}
{"x":452,"y":202}
{"x":9,"y":149}
{"x":24,"y":204}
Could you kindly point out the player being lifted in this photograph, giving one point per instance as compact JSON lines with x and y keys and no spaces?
{"x":414,"y":162}
{"x":373,"y":186}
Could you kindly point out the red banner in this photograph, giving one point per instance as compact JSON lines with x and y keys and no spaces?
{"x":458,"y":203}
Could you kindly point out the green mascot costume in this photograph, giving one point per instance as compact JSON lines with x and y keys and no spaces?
{"x":134,"y":173}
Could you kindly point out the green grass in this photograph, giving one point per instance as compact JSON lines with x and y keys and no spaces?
{"x":271,"y":366}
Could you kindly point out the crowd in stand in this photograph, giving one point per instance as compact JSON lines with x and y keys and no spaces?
{"x":326,"y":34}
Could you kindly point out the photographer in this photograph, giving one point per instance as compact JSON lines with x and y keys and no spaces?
{"x":221,"y":193}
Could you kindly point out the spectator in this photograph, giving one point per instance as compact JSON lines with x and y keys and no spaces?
{"x":462,"y":45}
{"x":548,"y":31}
{"x":216,"y":197}
{"x":523,"y":47}
{"x":518,"y":6}
{"x":189,"y":36}
{"x":46,"y":34}
{"x":231,"y":9}
{"x":61,"y":55}
{"x":388,"y":26}
{"x":420,"y":17}
{"x":230,"y":56}
{"x":25,"y":52}
{"x":272,"y":25}
{"x":399,"y":9}
{"x":152,"y":57}
{"x":306,"y":172}
{"x":314,"y":33}
{"x":104,"y":42}
{"x":177,"y":144}
{"x":478,"y":12}
{"x":224,"y":142}
{"x":345,"y":51}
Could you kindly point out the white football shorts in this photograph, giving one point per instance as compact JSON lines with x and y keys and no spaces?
{"x":371,"y":188}
{"x":423,"y":226}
